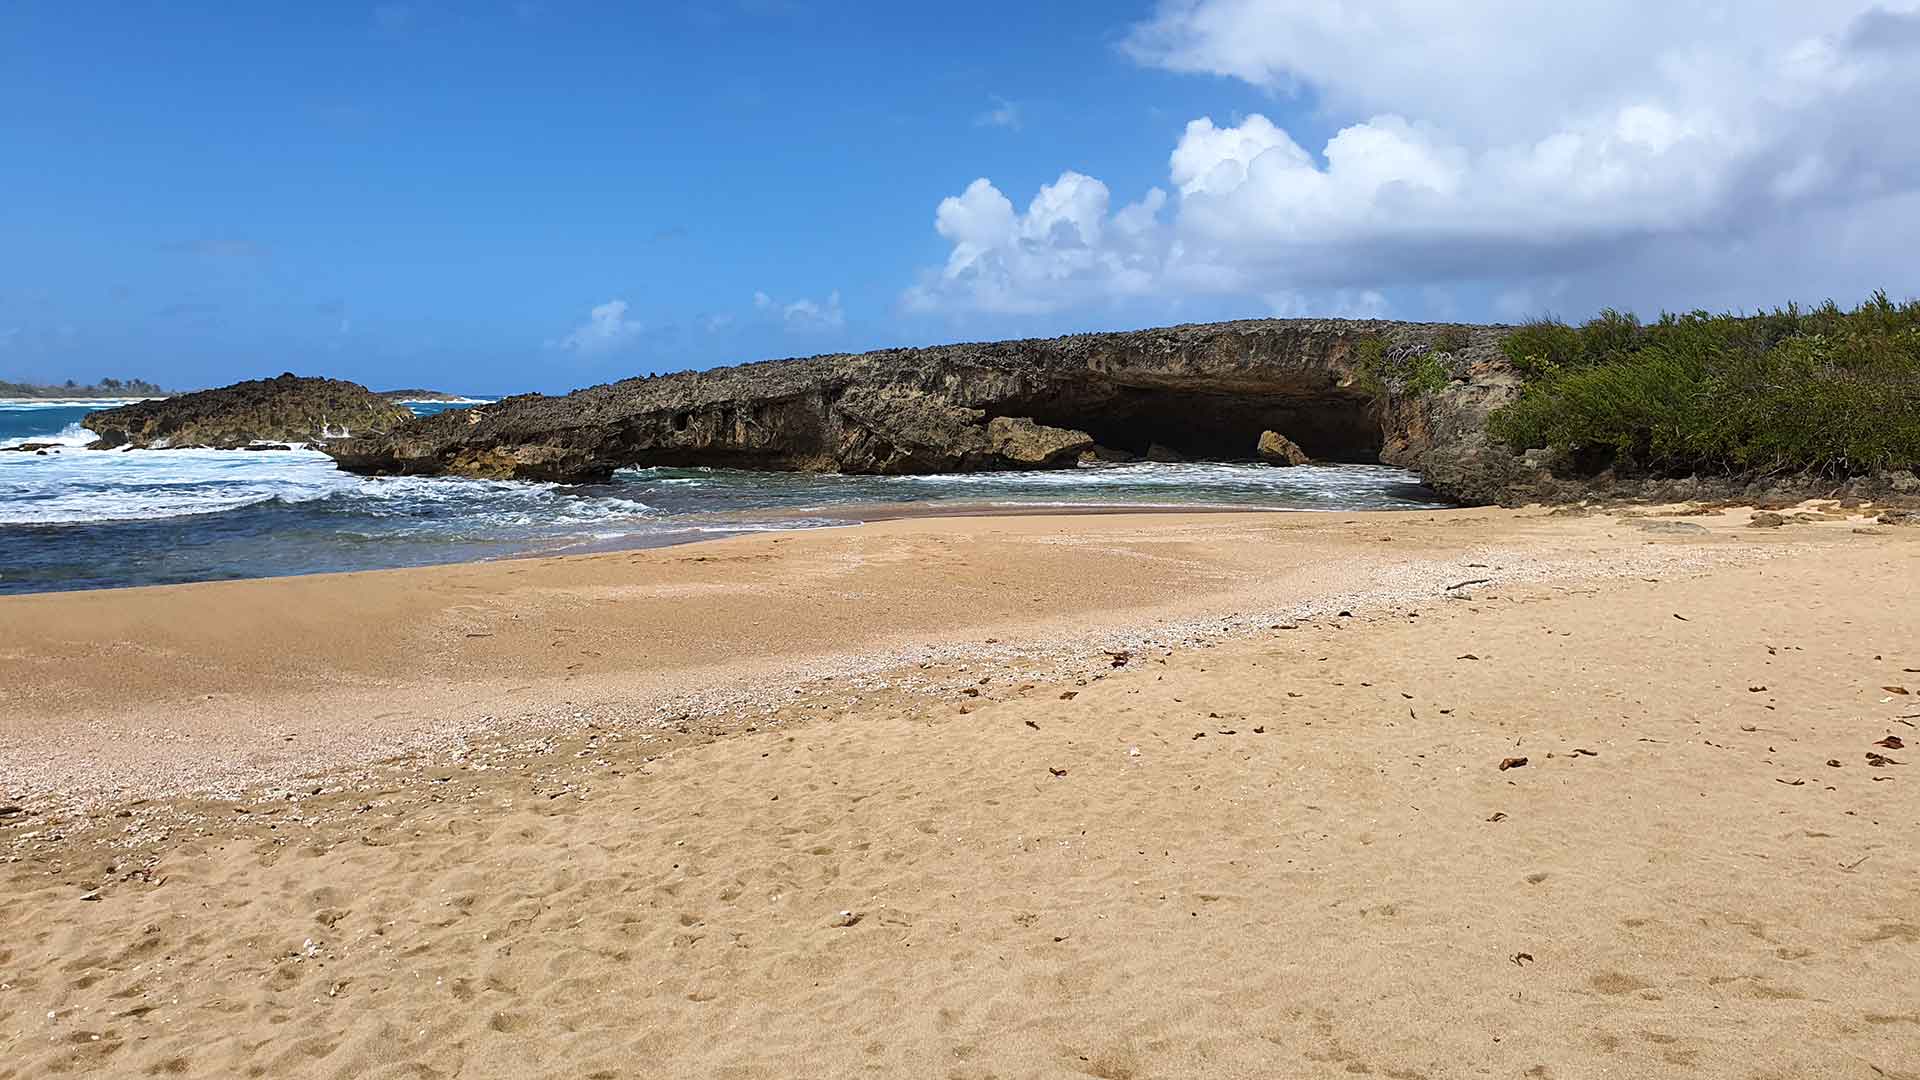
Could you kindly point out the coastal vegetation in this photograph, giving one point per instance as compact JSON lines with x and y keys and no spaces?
{"x":1413,"y":372}
{"x":1820,"y":391}
{"x":105,"y":388}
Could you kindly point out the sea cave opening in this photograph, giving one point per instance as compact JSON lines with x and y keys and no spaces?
{"x":1209,"y":424}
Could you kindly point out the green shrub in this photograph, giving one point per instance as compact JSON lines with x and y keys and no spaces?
{"x":1384,"y":371}
{"x":1369,"y":361}
{"x":1426,"y":374}
{"x":1452,"y":339}
{"x":1826,"y":390}
{"x":1542,"y":346}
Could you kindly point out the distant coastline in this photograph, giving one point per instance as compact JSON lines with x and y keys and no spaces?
{"x":104,"y":390}
{"x":14,"y":393}
{"x":81,"y":399}
{"x":430,"y":397}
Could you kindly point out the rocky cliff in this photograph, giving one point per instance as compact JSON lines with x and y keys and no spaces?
{"x":1205,"y":391}
{"x":284,"y":409}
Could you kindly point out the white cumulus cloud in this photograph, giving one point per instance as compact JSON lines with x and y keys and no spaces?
{"x":1065,"y":248}
{"x":1685,"y":147}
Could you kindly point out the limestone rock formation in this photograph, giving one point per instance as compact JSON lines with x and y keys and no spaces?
{"x":1277,"y":449}
{"x":285,"y":409}
{"x":1019,"y":441}
{"x":1202,"y":392}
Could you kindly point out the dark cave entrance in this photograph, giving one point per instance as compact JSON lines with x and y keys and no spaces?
{"x":1212,"y":425}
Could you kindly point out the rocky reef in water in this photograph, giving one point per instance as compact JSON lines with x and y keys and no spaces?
{"x":286,"y":409}
{"x":1204,"y":392}
{"x":422,"y":395}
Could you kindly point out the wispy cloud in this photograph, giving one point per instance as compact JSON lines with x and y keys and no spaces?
{"x":1004,"y":114}
{"x":336,"y":309}
{"x":607,"y":329}
{"x":805,"y":315}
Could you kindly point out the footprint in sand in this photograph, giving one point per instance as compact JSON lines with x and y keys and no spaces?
{"x":1614,"y":983}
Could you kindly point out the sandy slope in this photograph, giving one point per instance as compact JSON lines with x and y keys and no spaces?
{"x":1312,"y":865}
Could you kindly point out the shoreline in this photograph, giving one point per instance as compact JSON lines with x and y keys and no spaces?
{"x":877,"y":513}
{"x":1102,"y":795}
{"x":683,"y":526}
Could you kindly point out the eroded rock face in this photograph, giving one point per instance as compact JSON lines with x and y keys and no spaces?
{"x":1025,"y":444}
{"x":1203,"y":392}
{"x":285,"y":409}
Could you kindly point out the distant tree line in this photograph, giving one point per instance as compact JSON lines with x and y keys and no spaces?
{"x":108,"y":387}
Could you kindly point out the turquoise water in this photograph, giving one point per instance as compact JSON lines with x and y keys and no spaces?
{"x":81,"y":519}
{"x":39,"y":420}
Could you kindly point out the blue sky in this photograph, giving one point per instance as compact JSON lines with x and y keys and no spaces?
{"x":544,"y":195}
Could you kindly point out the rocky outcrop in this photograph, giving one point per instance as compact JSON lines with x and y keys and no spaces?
{"x":422,"y":395}
{"x":286,"y":409}
{"x":1197,"y":392}
{"x":1022,"y":443}
{"x":1277,"y":449}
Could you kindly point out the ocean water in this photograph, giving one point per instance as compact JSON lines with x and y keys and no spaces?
{"x":80,"y":519}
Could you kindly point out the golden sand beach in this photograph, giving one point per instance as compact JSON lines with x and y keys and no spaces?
{"x":1463,"y":793}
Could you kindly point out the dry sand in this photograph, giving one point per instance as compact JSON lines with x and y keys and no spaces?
{"x":637,"y":830}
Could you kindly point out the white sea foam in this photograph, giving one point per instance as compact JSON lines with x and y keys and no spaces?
{"x":75,"y":486}
{"x":1253,"y":486}
{"x":72,"y":435}
{"x":784,"y":525}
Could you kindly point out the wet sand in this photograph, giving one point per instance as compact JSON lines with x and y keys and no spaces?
{"x":1039,"y":796}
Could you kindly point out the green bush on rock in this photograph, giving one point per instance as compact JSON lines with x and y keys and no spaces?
{"x":1404,"y":371}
